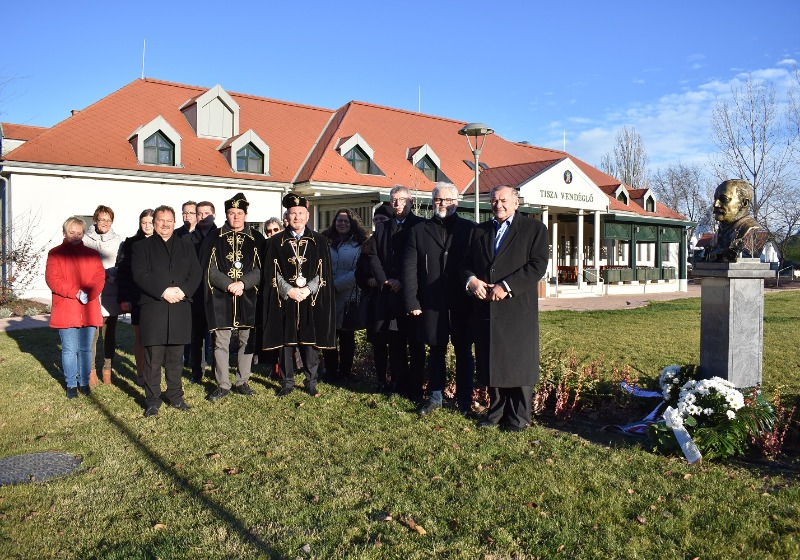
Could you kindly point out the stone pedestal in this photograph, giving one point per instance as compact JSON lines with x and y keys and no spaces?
{"x":732,"y":320}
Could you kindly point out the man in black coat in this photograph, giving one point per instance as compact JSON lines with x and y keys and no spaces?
{"x":386,"y":254}
{"x":433,"y":291}
{"x":205,"y":229}
{"x":232,"y":275}
{"x":298,"y":294}
{"x":166,"y":270}
{"x":506,"y":259}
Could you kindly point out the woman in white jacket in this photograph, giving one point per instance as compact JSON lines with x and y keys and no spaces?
{"x":102,"y":238}
{"x":345,"y":237}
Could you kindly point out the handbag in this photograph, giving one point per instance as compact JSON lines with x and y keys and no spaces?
{"x":355,"y":311}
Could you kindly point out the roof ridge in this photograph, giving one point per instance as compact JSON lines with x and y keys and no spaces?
{"x":397,"y":110}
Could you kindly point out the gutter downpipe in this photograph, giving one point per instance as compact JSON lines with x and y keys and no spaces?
{"x":4,"y":230}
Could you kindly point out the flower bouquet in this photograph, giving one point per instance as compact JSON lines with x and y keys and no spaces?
{"x":708,"y":417}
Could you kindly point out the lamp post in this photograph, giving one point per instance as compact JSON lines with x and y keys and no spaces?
{"x":479,"y":132}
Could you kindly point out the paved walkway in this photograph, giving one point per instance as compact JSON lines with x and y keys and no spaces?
{"x":627,"y":301}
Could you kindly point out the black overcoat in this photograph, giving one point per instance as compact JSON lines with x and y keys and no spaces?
{"x":432,"y":276}
{"x":385,"y":256}
{"x":226,"y":249}
{"x":507,"y":331}
{"x":286,"y":322}
{"x":158,"y":265}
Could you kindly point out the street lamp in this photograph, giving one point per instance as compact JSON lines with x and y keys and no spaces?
{"x":477,"y":131}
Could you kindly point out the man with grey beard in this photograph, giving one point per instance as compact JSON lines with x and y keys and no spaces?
{"x":433,"y":292}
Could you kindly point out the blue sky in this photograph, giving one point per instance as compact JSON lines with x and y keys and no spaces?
{"x":530,"y":70}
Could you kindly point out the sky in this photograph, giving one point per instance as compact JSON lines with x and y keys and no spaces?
{"x":534,"y":71}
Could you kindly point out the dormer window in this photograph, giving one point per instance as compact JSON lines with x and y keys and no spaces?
{"x":358,"y":159}
{"x":359,"y":155}
{"x":214,"y":114}
{"x":622,"y":197}
{"x":650,"y":204}
{"x":430,"y":170}
{"x":426,"y":160}
{"x":246,"y":153}
{"x":156,"y":143}
{"x":158,"y":150}
{"x":250,"y":160}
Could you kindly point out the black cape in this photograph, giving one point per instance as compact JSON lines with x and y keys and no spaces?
{"x":286,"y":322}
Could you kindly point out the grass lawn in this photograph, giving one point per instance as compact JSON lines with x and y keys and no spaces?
{"x":351,"y":474}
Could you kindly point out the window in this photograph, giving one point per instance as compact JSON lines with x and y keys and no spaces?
{"x":358,"y":159}
{"x":622,"y":197}
{"x":158,"y":150}
{"x":650,"y":204}
{"x":250,"y":160}
{"x":428,"y":168}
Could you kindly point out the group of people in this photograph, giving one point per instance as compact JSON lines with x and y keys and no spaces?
{"x":288,"y":296}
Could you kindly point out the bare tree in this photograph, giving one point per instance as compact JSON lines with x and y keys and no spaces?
{"x":686,"y":188}
{"x":755,"y":143}
{"x":786,"y":223}
{"x":22,"y":254}
{"x":629,"y":160}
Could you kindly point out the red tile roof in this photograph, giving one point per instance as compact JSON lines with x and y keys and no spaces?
{"x":97,"y":136}
{"x":22,"y":132}
{"x":302,"y":141}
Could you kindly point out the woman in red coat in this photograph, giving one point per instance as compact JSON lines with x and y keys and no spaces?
{"x":75,"y":275}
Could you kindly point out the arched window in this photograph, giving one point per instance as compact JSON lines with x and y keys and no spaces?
{"x":650,"y":204}
{"x":158,"y":150}
{"x":250,"y":160}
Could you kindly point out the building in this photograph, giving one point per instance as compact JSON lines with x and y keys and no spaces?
{"x":154,"y":142}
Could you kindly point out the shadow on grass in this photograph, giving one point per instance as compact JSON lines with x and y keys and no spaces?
{"x":220,"y":511}
{"x":44,"y":345}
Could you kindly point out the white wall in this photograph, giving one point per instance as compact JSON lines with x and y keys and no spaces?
{"x":48,"y":198}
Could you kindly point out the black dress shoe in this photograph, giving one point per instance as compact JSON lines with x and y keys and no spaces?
{"x":151,"y":411}
{"x":487,"y":424}
{"x":429,"y":408}
{"x":218,"y":394}
{"x":197,"y":378}
{"x":84,"y":390}
{"x":312,"y":390}
{"x":180,"y":405}
{"x":72,"y":392}
{"x":244,"y":389}
{"x":512,"y":428}
{"x":285,"y":391}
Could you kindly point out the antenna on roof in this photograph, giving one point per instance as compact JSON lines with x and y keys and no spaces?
{"x":419,"y":99}
{"x":144,"y":49}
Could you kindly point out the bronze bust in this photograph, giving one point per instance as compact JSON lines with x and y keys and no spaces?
{"x":736,"y":235}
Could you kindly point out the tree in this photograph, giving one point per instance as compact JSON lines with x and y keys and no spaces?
{"x":685,"y":188}
{"x":629,"y":160}
{"x":22,"y":253}
{"x":755,"y":143}
{"x":786,"y":223}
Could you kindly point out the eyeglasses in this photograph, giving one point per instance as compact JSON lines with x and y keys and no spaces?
{"x":444,"y":200}
{"x":104,"y":221}
{"x":189,"y":213}
{"x":396,"y":201}
{"x":273,"y":230}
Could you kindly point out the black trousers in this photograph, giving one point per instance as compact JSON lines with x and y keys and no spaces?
{"x":171,"y":357}
{"x":339,"y":363}
{"x":407,"y":358}
{"x":201,"y":344}
{"x":510,"y":405}
{"x":310,"y":358}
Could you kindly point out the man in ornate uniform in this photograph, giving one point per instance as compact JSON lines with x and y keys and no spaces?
{"x":299,"y":307}
{"x":232,"y":275}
